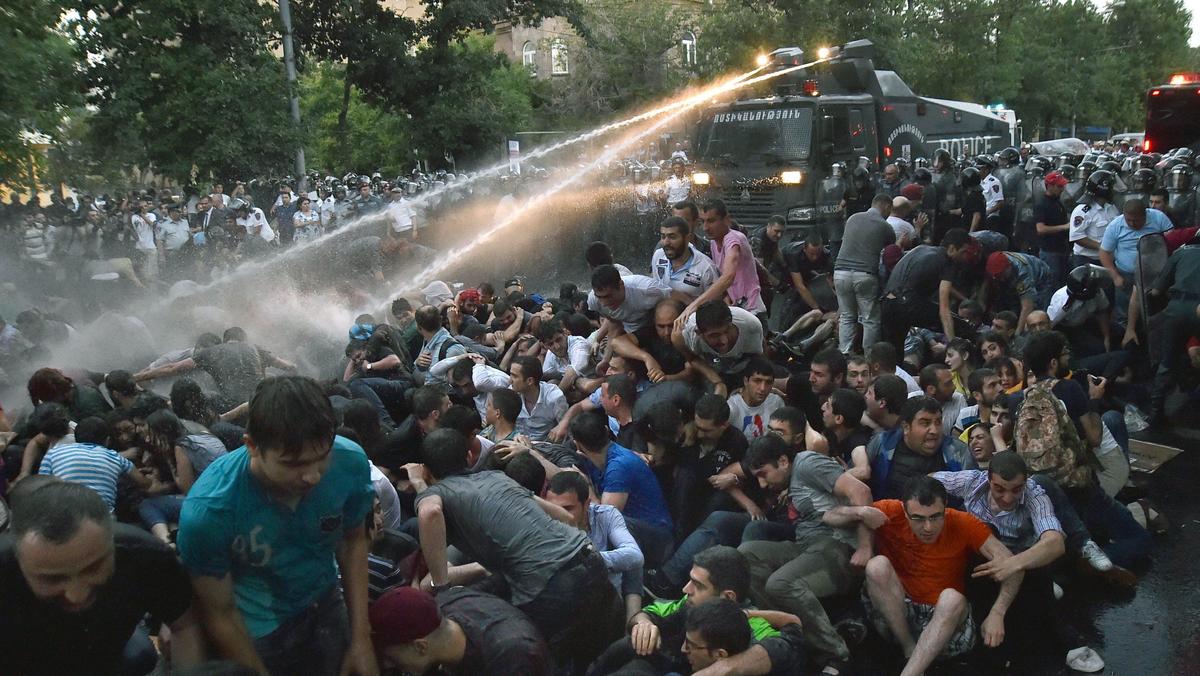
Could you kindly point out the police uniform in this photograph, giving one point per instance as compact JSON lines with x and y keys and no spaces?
{"x":1089,"y":219}
{"x":993,"y":193}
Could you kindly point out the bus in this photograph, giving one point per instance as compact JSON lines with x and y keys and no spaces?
{"x":1173,"y":115}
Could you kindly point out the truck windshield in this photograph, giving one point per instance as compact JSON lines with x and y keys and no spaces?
{"x":778,"y":134}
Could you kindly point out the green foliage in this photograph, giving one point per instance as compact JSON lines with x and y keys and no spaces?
{"x":191,"y":87}
{"x":370,"y":139}
{"x":38,"y":81}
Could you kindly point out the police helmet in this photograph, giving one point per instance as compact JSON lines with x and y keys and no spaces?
{"x":1067,"y":160}
{"x":339,"y":191}
{"x":901,"y":163}
{"x":1009,"y":156}
{"x":1100,"y":183}
{"x":1083,"y":283}
{"x":1180,"y":178}
{"x":1111,"y":165}
{"x":838,"y":170}
{"x":1068,"y":171}
{"x":982,"y":161}
{"x":1090,"y":156}
{"x":861,"y":176}
{"x":1086,"y":168}
{"x":923,"y":176}
{"x":942,"y":159}
{"x":1104,"y":157}
{"x":969,"y":177}
{"x":920,"y":163}
{"x":1143,"y":180}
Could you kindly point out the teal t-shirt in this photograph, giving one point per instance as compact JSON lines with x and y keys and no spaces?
{"x":282,"y":560}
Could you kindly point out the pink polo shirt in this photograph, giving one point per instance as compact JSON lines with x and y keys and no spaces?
{"x":744,"y":292}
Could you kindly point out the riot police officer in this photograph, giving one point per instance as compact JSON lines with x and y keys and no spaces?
{"x":945,"y":182}
{"x":1017,"y":200}
{"x":993,"y":196}
{"x":1091,"y":217}
{"x":1181,"y":199}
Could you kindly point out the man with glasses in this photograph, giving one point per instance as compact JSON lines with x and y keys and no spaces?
{"x":915,"y":589}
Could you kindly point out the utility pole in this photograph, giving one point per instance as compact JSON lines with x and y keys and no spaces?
{"x":289,"y":61}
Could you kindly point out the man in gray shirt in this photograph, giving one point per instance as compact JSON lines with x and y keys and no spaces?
{"x":553,"y":572}
{"x":856,"y":272}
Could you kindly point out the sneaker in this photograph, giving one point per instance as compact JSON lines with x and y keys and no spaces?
{"x":852,"y":631}
{"x":1085,"y":659}
{"x":1095,"y":557}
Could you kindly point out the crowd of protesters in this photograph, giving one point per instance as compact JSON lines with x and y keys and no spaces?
{"x":736,"y":454}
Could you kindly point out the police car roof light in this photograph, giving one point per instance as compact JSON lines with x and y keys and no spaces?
{"x":1184,"y":78}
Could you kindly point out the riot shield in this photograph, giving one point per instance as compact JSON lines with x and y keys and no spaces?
{"x":1152,"y":259}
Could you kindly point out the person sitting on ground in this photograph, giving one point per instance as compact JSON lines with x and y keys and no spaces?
{"x":919,"y":447}
{"x":696,"y":490}
{"x":984,"y":386}
{"x":846,"y":438}
{"x":503,"y":409}
{"x":885,"y":400}
{"x":658,"y":353}
{"x":937,"y":381}
{"x":67,"y":571}
{"x":429,"y":402}
{"x":884,"y":360}
{"x":625,"y":304}
{"x":858,"y":373}
{"x":607,"y":530}
{"x":915,"y":590}
{"x":566,"y":357}
{"x":751,"y":408}
{"x":962,"y":357}
{"x":460,"y":631}
{"x":678,"y":264}
{"x":90,"y":462}
{"x":542,"y":404}
{"x":719,"y":341}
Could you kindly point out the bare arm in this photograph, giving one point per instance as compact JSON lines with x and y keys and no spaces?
{"x":803,"y":291}
{"x":165,"y":370}
{"x":187,"y":640}
{"x":557,"y":513}
{"x":858,"y":495}
{"x":944,"y":288}
{"x":352,"y":563}
{"x":185,"y":474}
{"x":1110,"y":264}
{"x":1026,"y":308}
{"x":223,"y":622}
{"x":432,"y":524}
{"x":860,"y":464}
{"x":719,"y":287}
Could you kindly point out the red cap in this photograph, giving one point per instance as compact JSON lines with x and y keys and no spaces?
{"x":997,"y":264}
{"x":403,"y":615}
{"x":892,"y":254}
{"x":1056,"y":178}
{"x":913,"y":192}
{"x":469,"y":294}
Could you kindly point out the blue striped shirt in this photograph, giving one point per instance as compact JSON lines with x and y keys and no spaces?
{"x":1019,"y":528}
{"x":92,"y":465}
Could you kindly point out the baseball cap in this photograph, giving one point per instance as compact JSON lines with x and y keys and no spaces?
{"x":1056,"y":178}
{"x":997,"y":264}
{"x":914,"y":192}
{"x":403,"y":615}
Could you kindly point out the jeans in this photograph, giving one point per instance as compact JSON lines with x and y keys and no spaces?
{"x":1123,"y":294}
{"x":1089,"y":513}
{"x":794,"y":577}
{"x":720,"y":528}
{"x":858,"y":302}
{"x":160,"y":509}
{"x":655,"y":542}
{"x":575,"y":597}
{"x":773,"y":531}
{"x":1075,"y":532}
{"x":312,"y":642}
{"x":1115,"y":422}
{"x":384,"y":394}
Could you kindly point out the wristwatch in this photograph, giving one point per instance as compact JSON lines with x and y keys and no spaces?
{"x":368,"y":366}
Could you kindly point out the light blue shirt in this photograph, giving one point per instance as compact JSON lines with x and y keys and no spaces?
{"x":1121,"y":241}
{"x":282,"y":559}
{"x":94,"y":466}
{"x":621,"y":554}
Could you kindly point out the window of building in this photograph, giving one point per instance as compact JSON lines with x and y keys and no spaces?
{"x":559,"y":64}
{"x":529,"y":58}
{"x":687,"y":45}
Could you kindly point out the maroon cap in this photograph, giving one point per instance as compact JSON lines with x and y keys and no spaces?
{"x":913,"y":192}
{"x":403,"y":615}
{"x":892,"y":254}
{"x":1056,"y":178}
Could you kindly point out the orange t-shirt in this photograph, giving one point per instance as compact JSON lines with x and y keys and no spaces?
{"x":926,"y":569}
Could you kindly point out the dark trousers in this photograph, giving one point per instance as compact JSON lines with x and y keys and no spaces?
{"x":574,"y":600}
{"x":1031,"y":618}
{"x":313,"y":642}
{"x":1089,"y":513}
{"x":720,"y":528}
{"x":139,"y":657}
{"x":900,"y":314}
{"x":655,"y":542}
{"x":387,"y":396}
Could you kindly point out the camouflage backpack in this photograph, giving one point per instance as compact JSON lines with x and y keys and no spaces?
{"x":1047,"y":440}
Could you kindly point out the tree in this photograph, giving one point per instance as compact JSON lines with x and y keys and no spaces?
{"x":190,"y":86}
{"x":38,"y":81}
{"x":350,"y":134}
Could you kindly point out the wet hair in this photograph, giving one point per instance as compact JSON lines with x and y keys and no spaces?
{"x":716,"y":206}
{"x":597,"y":254}
{"x":120,"y":382}
{"x":55,"y":511}
{"x":501,"y":306}
{"x":234,"y":333}
{"x":426,"y":400}
{"x":1042,"y":348}
{"x":165,"y":423}
{"x":676,"y":223}
{"x":688,"y":206}
{"x":721,"y":624}
{"x":925,"y":490}
{"x":92,"y":430}
{"x":834,"y":360}
{"x":975,"y":380}
{"x":400,"y":306}
{"x":814,"y":238}
{"x":956,"y":237}
{"x":1007,"y":316}
{"x":462,"y":370}
{"x":857,"y":360}
{"x":758,"y":366}
{"x":207,"y":340}
{"x":972,"y":305}
{"x":567,"y":291}
{"x":444,"y":452}
{"x":190,"y":403}
{"x":52,"y":419}
{"x":1008,"y":466}
{"x":507,"y":403}
{"x":570,"y":482}
{"x":850,"y":404}
{"x":621,"y":385}
{"x":360,"y":415}
{"x":527,"y":472}
{"x":145,"y":404}
{"x":579,"y":324}
{"x":767,"y":449}
{"x":428,"y":318}
{"x":1134,"y":206}
{"x":713,"y":407}
{"x":714,"y":314}
{"x":486,"y":289}
{"x":605,"y":277}
{"x":892,"y":391}
{"x":929,"y":374}
{"x":590,"y":430}
{"x":919,"y":404}
{"x":530,"y":367}
{"x":48,"y":384}
{"x":727,"y":570}
{"x":288,"y":413}
{"x":548,"y":329}
{"x":465,"y":419}
{"x":791,"y":415}
{"x":884,"y":355}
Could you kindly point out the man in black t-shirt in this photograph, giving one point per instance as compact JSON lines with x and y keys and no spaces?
{"x":922,"y":275}
{"x":698,"y":489}
{"x":461,"y":631}
{"x":846,"y":436}
{"x":74,"y":586}
{"x":1053,"y":226}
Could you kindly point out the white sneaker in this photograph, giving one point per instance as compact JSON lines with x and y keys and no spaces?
{"x":1096,"y":557}
{"x":1085,"y":659}
{"x":1058,"y":591}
